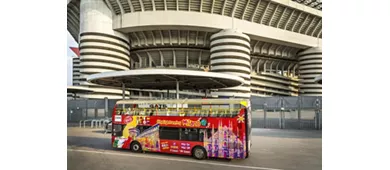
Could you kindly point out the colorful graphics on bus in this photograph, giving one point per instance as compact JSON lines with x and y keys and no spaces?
{"x":223,"y":143}
{"x":149,"y":139}
{"x":224,"y":140}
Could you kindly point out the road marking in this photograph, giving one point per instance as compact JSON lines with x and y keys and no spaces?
{"x":173,"y":159}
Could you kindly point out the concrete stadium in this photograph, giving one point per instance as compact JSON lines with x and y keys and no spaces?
{"x":274,"y":45}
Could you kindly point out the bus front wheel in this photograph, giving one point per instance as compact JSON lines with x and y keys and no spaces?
{"x":199,"y":152}
{"x":135,"y":147}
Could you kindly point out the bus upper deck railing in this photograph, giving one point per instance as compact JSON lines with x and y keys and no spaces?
{"x":178,"y":112}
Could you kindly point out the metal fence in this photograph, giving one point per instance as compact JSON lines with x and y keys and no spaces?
{"x":304,"y":112}
{"x":83,"y":109}
{"x":267,"y":112}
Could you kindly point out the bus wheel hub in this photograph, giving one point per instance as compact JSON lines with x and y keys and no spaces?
{"x":198,"y":153}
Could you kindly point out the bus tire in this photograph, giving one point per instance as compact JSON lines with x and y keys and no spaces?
{"x":135,"y":146}
{"x":199,"y":152}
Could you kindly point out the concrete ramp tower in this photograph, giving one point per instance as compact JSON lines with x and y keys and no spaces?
{"x":230,"y":54}
{"x":101,"y":48}
{"x":310,"y":67}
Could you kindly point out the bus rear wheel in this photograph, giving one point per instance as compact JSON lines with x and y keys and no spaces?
{"x":199,"y":152}
{"x":135,"y":147}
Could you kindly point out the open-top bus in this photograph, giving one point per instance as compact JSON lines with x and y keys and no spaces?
{"x":203,"y":128}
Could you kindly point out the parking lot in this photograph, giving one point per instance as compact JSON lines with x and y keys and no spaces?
{"x":272,"y":149}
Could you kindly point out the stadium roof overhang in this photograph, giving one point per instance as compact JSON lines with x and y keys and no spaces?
{"x":78,"y":89}
{"x":165,"y":79}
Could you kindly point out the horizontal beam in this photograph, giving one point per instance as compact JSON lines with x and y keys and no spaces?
{"x":131,"y":22}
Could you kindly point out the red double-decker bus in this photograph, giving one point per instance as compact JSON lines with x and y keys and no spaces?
{"x":203,"y":128}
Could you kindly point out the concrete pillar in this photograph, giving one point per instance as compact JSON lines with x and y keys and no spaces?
{"x":86,"y":108}
{"x":309,"y":67}
{"x":96,"y":33}
{"x":265,"y":115}
{"x":123,"y":94}
{"x":317,"y":111}
{"x":187,"y":59}
{"x":106,"y":107}
{"x":177,"y":89}
{"x":177,"y":96}
{"x":299,"y":112}
{"x":123,"y":91}
{"x":282,"y":116}
{"x":227,"y":40}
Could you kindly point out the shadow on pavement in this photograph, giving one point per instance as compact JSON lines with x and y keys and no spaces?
{"x":100,"y":131}
{"x":287,"y":133}
{"x":90,"y":142}
{"x":105,"y":144}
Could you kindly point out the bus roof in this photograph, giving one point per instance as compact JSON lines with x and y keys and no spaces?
{"x":187,"y":101}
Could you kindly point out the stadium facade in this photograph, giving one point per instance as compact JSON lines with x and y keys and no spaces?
{"x":274,"y":45}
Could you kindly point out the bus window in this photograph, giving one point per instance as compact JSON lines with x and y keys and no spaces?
{"x":117,"y":130}
{"x":189,"y":134}
{"x":201,"y":134}
{"x":209,"y":132}
{"x":118,"y":111}
{"x":169,"y":133}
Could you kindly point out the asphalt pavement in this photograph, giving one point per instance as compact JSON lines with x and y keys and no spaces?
{"x":272,"y":149}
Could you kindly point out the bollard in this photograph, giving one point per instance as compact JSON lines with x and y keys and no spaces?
{"x":81,"y":122}
{"x":85,"y":121}
{"x":93,"y":120}
{"x":101,"y":122}
{"x":98,"y":124}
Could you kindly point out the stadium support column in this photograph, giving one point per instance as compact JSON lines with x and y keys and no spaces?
{"x":105,"y":107}
{"x":299,"y":111}
{"x":177,"y":95}
{"x":102,"y":49}
{"x":177,"y":89}
{"x":310,"y":66}
{"x":123,"y":94}
{"x":123,"y":91}
{"x":265,"y":115}
{"x":230,"y":54}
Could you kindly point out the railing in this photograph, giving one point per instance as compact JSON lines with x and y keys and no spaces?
{"x":94,"y":123}
{"x":180,"y":112}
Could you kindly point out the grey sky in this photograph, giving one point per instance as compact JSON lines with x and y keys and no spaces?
{"x":71,"y":43}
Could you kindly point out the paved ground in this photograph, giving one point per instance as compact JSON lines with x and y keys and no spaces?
{"x":272,"y":149}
